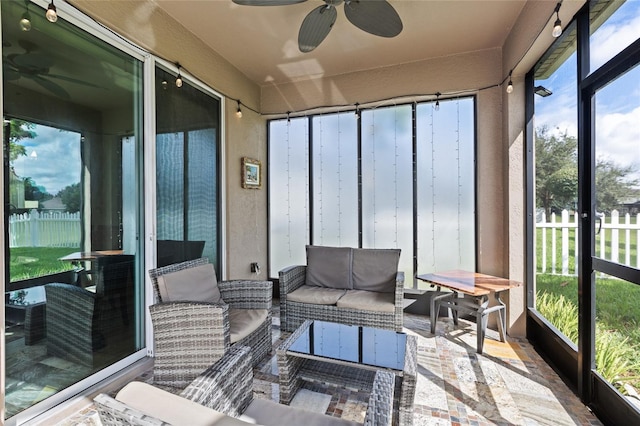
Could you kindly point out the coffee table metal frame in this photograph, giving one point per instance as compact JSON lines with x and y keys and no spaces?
{"x":296,"y":367}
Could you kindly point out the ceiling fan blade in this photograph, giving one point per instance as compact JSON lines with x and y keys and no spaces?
{"x":33,"y":61}
{"x":8,"y":73}
{"x":51,"y":86}
{"x":267,"y":2}
{"x":316,"y":27}
{"x":376,"y":17}
{"x":72,"y":80}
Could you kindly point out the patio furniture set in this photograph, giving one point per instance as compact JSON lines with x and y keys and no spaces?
{"x":208,"y":336}
{"x":344,"y":312}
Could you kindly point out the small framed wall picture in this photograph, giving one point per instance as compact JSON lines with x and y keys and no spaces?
{"x":251,"y":173}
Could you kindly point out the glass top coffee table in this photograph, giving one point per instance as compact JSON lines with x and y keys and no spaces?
{"x":347,"y":356}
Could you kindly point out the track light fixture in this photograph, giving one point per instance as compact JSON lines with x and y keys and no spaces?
{"x":510,"y":84}
{"x":437,"y":105}
{"x":557,"y":26}
{"x":179,"y":77}
{"x":52,"y":13}
{"x":25,"y":20}
{"x":239,"y":111}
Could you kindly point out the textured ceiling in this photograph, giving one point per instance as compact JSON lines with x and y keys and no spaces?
{"x":262,"y":41}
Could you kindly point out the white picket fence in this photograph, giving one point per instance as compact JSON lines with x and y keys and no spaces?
{"x":44,"y":229}
{"x":614,"y":241}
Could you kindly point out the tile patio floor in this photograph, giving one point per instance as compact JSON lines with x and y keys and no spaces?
{"x":507,"y":385}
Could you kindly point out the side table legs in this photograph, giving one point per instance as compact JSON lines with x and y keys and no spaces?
{"x":479,"y":307}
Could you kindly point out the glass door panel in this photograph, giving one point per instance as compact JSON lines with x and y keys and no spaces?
{"x":73,"y":292}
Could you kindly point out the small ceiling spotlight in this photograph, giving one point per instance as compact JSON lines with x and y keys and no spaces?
{"x":239,"y":111}
{"x":510,"y":84}
{"x":179,"y":77}
{"x":557,"y":26}
{"x":542,"y":91}
{"x":437,"y":105}
{"x":52,"y":13}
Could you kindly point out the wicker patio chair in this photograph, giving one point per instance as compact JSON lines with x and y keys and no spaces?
{"x":227,"y":388}
{"x":73,"y":330}
{"x":182,"y":326}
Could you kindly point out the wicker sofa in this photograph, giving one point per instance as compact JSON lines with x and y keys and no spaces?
{"x":223,"y":395}
{"x":346,"y":285}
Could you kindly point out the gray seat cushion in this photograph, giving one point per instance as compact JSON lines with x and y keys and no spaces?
{"x":269,"y":413}
{"x":315,"y":295}
{"x":170,"y":408}
{"x":375,"y":269}
{"x":243,"y":322}
{"x":197,"y":284}
{"x":367,"y":301}
{"x":329,"y":267}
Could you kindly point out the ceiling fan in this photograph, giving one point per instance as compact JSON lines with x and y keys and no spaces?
{"x":35,"y":65}
{"x":376,"y":17}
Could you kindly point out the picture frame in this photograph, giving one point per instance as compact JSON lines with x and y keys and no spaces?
{"x":251,"y":173}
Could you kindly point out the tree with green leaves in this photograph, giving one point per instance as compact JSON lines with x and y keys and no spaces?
{"x":557,"y":176}
{"x":556,"y":170}
{"x":614,"y":185}
{"x":35,"y":192}
{"x":70,"y":197}
{"x":19,"y":130}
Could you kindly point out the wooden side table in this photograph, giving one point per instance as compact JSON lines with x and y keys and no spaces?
{"x":479,"y":287}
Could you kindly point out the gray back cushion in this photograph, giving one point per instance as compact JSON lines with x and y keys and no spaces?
{"x":375,"y":269}
{"x":197,"y":284}
{"x":329,"y":267}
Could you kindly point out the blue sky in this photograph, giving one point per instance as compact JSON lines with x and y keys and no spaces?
{"x":617,"y":105}
{"x":56,"y":162}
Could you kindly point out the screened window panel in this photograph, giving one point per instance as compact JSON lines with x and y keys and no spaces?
{"x":289,"y":192}
{"x":387,"y":182}
{"x":187,"y":175}
{"x":379,"y":208}
{"x":445,"y":156}
{"x":335,"y":180}
{"x":202,"y":201}
{"x":170,"y":177}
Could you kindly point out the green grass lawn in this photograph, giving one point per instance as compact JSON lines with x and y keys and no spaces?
{"x":31,"y":262}
{"x":617,"y":313}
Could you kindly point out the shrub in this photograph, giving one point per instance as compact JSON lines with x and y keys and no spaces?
{"x":615,"y":353}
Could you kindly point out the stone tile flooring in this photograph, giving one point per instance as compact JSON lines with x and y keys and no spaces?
{"x":509,"y":384}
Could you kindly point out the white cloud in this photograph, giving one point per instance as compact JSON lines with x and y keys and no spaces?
{"x":618,"y":137}
{"x":56,"y":162}
{"x":612,"y":37}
